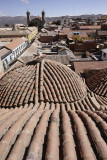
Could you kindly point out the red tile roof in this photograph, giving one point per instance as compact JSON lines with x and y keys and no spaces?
{"x":80,"y":66}
{"x":97,"y":82}
{"x":14,"y":44}
{"x":48,"y":81}
{"x":35,"y":133}
{"x":46,"y":124}
{"x":68,"y":31}
{"x":90,"y":27}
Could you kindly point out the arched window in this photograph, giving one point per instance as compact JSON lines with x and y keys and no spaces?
{"x":4,"y":65}
{"x":65,"y":21}
{"x":104,"y":54}
{"x":6,"y":61}
{"x":11,"y":58}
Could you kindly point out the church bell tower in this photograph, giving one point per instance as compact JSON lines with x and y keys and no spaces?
{"x":28,"y":18}
{"x":43,"y":17}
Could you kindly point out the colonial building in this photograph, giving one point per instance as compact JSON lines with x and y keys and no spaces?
{"x":37,"y":21}
{"x":28,"y":32}
{"x":11,"y":52}
{"x":66,"y":20}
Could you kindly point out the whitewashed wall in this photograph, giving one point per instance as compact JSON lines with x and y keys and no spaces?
{"x":104,"y":56}
{"x":14,"y":54}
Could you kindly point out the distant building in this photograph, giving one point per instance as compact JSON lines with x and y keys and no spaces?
{"x":66,"y":51}
{"x":79,"y":67}
{"x":66,"y":20}
{"x":100,"y":21}
{"x":90,"y":27}
{"x":84,"y":46}
{"x":79,"y":36}
{"x":104,"y":27}
{"x":62,"y":36}
{"x":48,"y":37}
{"x":9,"y":35}
{"x":52,"y":27}
{"x":101,"y":35}
{"x":37,"y":21}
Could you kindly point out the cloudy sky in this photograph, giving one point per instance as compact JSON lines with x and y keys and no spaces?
{"x":52,"y":7}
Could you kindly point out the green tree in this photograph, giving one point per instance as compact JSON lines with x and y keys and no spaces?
{"x":58,"y":22}
{"x":7,"y":25}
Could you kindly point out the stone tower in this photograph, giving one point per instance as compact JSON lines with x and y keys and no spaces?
{"x":28,"y":18}
{"x":43,"y":17}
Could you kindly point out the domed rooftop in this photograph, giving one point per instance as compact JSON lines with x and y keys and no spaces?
{"x":50,"y":129}
{"x":97,"y":82}
{"x":46,"y":81}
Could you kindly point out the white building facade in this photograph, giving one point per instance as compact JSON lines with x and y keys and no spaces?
{"x":104,"y":55}
{"x":13,"y":55}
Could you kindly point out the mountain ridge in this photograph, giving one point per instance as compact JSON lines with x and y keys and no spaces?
{"x":22,"y":19}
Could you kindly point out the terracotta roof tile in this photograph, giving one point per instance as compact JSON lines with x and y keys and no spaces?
{"x":53,"y":133}
{"x":55,"y":116}
{"x":95,"y":136}
{"x":97,"y":82}
{"x":46,"y":81}
{"x":81,"y":66}
{"x":12,"y":45}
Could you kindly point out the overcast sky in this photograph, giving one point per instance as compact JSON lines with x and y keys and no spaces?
{"x":52,"y":7}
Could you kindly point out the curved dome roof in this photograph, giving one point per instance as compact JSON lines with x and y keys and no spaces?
{"x":97,"y":82}
{"x":46,"y":81}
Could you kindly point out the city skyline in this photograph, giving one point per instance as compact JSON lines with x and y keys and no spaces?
{"x":52,"y":8}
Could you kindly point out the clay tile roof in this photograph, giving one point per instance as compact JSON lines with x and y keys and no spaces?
{"x":97,"y":82}
{"x":90,"y":27}
{"x":12,"y":45}
{"x":47,"y":113}
{"x":80,"y":66}
{"x":84,"y":27}
{"x":35,"y":133}
{"x":4,"y":52}
{"x":48,"y":81}
{"x":102,"y":33}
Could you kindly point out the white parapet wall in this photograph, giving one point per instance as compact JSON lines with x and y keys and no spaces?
{"x":1,"y":68}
